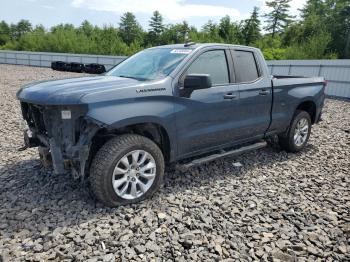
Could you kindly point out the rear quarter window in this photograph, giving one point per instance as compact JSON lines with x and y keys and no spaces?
{"x":245,"y":66}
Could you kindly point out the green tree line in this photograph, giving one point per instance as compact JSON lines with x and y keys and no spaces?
{"x":321,"y":32}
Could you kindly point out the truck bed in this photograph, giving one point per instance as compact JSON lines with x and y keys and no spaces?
{"x":290,"y":92}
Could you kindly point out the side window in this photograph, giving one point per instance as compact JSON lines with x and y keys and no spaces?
{"x":213,"y":63}
{"x":245,"y":66}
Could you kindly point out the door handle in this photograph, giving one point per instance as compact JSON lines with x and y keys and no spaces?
{"x":264,"y":92}
{"x":230,"y":96}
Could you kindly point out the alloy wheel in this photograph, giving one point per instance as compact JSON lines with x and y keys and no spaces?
{"x":301,"y":132}
{"x":134,"y":174}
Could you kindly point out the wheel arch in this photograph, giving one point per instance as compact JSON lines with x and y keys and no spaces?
{"x":308,"y":106}
{"x":152,"y":130}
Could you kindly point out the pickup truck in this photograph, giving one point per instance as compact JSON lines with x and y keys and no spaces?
{"x":184,"y":103}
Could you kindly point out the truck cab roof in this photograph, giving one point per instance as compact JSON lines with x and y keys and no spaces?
{"x":203,"y":45}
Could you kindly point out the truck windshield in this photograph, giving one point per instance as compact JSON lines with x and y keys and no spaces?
{"x":150,"y":64}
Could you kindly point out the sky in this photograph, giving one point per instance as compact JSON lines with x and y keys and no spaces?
{"x":108,"y":12}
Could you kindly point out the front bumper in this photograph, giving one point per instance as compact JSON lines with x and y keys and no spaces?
{"x":65,"y":141}
{"x":62,"y":159}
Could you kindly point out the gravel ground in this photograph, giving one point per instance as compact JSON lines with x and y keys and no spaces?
{"x":276,"y":206}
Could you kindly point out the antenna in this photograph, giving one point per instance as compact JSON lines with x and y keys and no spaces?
{"x":187,"y":44}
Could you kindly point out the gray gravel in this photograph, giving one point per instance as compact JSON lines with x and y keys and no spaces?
{"x":276,"y":206}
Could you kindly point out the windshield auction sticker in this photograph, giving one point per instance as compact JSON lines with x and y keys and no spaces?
{"x":181,"y":51}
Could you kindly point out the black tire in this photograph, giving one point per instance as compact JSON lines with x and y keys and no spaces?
{"x":105,"y":160}
{"x":286,"y":140}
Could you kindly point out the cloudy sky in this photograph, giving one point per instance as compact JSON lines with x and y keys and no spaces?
{"x":100,"y":12}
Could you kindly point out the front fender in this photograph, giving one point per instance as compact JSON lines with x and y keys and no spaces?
{"x":156,"y":110}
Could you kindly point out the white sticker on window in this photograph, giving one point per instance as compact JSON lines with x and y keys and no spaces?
{"x":181,"y":51}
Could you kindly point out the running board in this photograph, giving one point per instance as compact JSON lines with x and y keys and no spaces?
{"x":224,"y":153}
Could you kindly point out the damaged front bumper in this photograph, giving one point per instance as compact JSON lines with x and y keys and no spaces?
{"x":62,"y":134}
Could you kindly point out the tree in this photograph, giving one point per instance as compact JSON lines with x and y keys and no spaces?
{"x":39,"y":29}
{"x":346,"y":13}
{"x":211,"y":32}
{"x":323,"y":31}
{"x":129,"y":29}
{"x":229,"y":31}
{"x":278,"y":18}
{"x":225,"y":28}
{"x":251,"y":28}
{"x":63,"y":27}
{"x":312,"y":23}
{"x":184,"y":31}
{"x":338,"y":24}
{"x":320,"y":17}
{"x":314,"y":47}
{"x":87,"y":28}
{"x":313,"y":7}
{"x":178,"y":33}
{"x":109,"y":42}
{"x":156,"y":24}
{"x":156,"y":28}
{"x":21,"y":28}
{"x":172,"y":34}
{"x":4,"y":33}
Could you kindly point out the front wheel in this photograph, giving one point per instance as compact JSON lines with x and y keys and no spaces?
{"x":127,"y":169}
{"x":298,"y":133}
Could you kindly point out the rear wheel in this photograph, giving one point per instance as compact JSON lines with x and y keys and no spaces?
{"x":298,"y":133}
{"x":127,"y":169}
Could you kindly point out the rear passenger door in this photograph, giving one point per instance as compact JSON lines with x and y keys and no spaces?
{"x":255,"y":94}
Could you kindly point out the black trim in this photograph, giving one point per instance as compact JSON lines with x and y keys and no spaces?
{"x":301,"y":84}
{"x":257,"y":65}
{"x":229,"y":60}
{"x":271,"y":108}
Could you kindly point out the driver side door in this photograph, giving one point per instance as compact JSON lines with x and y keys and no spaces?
{"x":206,"y":119}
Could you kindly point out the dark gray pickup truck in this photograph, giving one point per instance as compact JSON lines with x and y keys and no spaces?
{"x":186,"y":103}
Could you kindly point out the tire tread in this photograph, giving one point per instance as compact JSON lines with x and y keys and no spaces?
{"x":105,"y":157}
{"x":286,"y":140}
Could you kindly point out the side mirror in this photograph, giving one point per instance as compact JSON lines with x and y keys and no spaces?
{"x":197,"y":81}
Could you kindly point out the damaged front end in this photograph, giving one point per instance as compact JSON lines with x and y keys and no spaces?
{"x":62,"y":134}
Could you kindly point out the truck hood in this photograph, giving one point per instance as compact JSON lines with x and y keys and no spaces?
{"x":71,"y":90}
